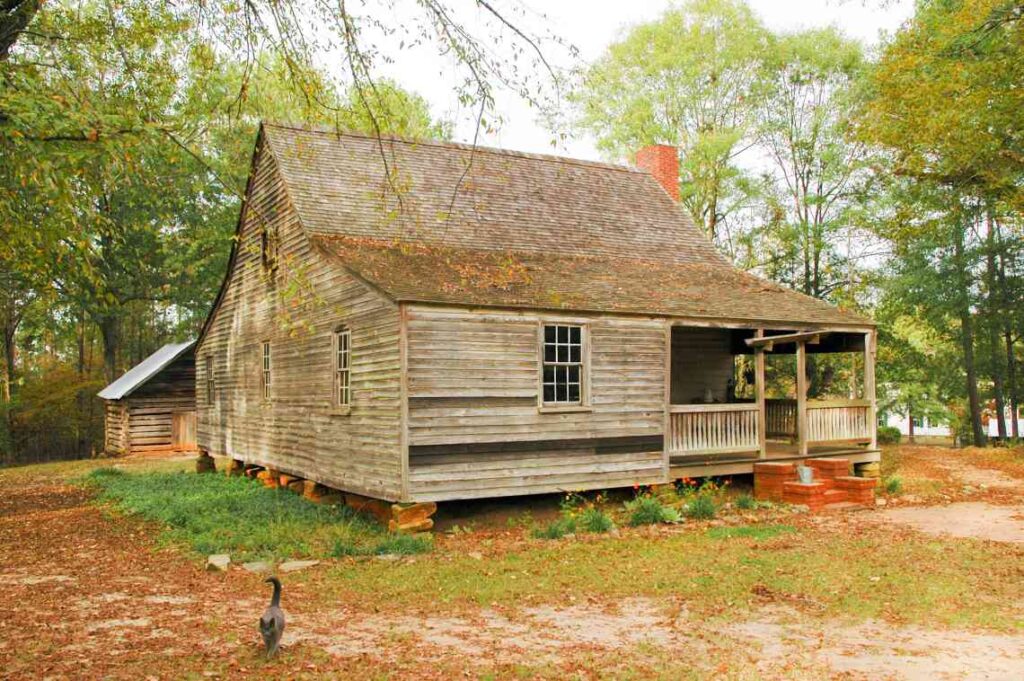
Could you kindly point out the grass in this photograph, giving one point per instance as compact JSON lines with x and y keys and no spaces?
{"x":718,"y":573}
{"x":218,"y":514}
{"x":893,"y":485}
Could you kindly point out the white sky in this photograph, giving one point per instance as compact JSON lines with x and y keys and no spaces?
{"x":591,"y":25}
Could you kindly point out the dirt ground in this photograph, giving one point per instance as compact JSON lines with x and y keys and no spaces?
{"x":90,"y":598}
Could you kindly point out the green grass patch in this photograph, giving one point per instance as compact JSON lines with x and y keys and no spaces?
{"x":750,"y":531}
{"x":218,"y":514}
{"x":647,"y":510}
{"x":701,"y":507}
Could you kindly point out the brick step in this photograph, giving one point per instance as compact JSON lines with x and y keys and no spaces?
{"x":836,"y":496}
{"x":843,"y":506}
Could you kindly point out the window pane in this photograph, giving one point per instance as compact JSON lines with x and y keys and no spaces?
{"x":574,"y":353}
{"x":563,"y":334}
{"x":549,"y":374}
{"x":549,"y":334}
{"x":572,"y":374}
{"x":549,"y":353}
{"x":549,"y":393}
{"x":574,"y":392}
{"x":561,"y":392}
{"x":574,"y":334}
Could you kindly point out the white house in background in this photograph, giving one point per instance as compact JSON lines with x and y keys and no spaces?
{"x":993,"y":424}
{"x":923,"y":426}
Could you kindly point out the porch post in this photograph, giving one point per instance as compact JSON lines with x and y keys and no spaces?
{"x":870,"y":349}
{"x":762,"y":419}
{"x":801,"y":397}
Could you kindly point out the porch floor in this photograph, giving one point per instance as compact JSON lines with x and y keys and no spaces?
{"x":732,"y":464}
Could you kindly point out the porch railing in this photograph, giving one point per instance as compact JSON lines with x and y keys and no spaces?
{"x":713,"y":428}
{"x":780,"y":418}
{"x":838,"y":420}
{"x":827,"y":420}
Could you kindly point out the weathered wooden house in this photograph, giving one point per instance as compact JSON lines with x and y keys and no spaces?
{"x":423,"y":321}
{"x":152,"y":407}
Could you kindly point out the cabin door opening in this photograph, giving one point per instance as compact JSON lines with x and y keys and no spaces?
{"x":183,"y":431}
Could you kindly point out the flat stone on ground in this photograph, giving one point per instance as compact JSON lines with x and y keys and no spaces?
{"x":218,"y":562}
{"x":296,"y":565}
{"x":260,"y":567}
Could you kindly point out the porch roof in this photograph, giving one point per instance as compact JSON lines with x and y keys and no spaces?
{"x":419,"y":272}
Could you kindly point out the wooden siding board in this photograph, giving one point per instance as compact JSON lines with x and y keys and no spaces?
{"x":473,"y":379}
{"x":300,"y":430}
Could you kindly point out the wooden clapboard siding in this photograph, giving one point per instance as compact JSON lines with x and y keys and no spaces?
{"x":115,"y":428}
{"x":297,"y":308}
{"x":473,"y":379}
{"x":701,"y":361}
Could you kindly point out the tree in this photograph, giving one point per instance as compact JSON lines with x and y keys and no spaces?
{"x":690,"y":79}
{"x":944,"y":101}
{"x":819,"y":174}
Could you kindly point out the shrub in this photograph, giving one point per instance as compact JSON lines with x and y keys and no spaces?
{"x":889,"y":435}
{"x":893,"y":484}
{"x":701,"y":507}
{"x":746,"y":502}
{"x":593,"y":519}
{"x":646,"y":510}
{"x":556,"y":529}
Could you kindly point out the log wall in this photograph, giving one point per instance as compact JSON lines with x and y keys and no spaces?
{"x":297,"y":307}
{"x":115,"y":428}
{"x":476,"y":427}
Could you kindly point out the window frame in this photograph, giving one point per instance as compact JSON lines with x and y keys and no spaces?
{"x":210,"y":385}
{"x":336,"y":371}
{"x":583,"y":404}
{"x":266,"y":371}
{"x":269,"y":246}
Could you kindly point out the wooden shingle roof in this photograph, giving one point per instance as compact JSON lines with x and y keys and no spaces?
{"x":474,"y":226}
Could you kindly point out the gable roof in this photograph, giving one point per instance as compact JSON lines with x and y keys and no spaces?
{"x":139,"y":374}
{"x":467,"y":225}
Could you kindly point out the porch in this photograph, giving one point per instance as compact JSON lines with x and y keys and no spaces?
{"x":734,"y":404}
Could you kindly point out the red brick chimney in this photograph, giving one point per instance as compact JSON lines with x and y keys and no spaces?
{"x":661,"y":161}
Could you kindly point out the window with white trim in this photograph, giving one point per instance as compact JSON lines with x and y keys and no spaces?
{"x":562,"y":376}
{"x":265,"y":382}
{"x":343,"y":368}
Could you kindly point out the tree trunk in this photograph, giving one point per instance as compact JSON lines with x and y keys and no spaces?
{"x":910,"y":422}
{"x":1011,"y":378}
{"x":110,"y":328}
{"x":994,"y":310}
{"x":967,"y":338}
{"x":1011,"y":359}
{"x":15,"y":16}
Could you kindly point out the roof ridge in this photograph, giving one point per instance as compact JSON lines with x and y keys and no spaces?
{"x":497,"y":151}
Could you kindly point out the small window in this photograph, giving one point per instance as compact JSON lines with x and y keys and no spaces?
{"x":268,"y":247}
{"x":265,"y":382}
{"x":343,"y":368}
{"x":209,"y":381}
{"x":918,"y":422}
{"x":562,"y":377}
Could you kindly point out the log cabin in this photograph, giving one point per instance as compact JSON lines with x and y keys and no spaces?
{"x":152,"y":407}
{"x":426,"y":321}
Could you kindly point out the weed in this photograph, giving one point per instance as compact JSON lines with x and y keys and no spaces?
{"x":746,"y":502}
{"x":701,"y":507}
{"x":593,"y":519}
{"x":556,"y":529}
{"x":647,"y":510}
{"x":893,"y":485}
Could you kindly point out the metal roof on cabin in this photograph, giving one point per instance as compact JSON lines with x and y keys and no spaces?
{"x":592,"y":236}
{"x":144,"y":370}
